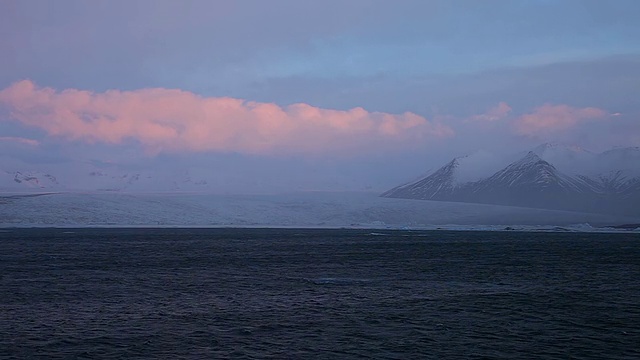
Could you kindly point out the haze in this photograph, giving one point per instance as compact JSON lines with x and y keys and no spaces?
{"x":311,"y":95}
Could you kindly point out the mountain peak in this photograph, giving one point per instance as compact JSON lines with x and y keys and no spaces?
{"x":570,"y":159}
{"x":530,"y":169}
{"x":530,"y":159}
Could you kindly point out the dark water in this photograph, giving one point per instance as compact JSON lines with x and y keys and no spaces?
{"x":335,"y":294}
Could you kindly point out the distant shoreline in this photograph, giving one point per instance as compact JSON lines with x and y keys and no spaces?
{"x":615,"y":229}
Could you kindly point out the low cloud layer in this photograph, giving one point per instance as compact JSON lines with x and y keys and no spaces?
{"x":548,"y":119}
{"x":543,"y":121}
{"x":19,"y":140}
{"x":496,"y":113}
{"x":168,"y":120}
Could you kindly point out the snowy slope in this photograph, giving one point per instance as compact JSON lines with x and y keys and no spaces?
{"x":531,"y":173}
{"x":450,"y":179}
{"x":439,"y":185}
{"x":534,"y":182}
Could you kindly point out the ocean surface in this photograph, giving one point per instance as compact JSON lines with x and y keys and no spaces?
{"x":317,"y":294}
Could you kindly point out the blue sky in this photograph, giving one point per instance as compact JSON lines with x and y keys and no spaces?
{"x":192,"y":43}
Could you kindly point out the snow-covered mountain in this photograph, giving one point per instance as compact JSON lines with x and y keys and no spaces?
{"x":549,"y":176}
{"x":33,"y":180}
{"x":178,"y":174}
{"x":452,"y":177}
{"x":17,"y":177}
{"x":530,"y":173}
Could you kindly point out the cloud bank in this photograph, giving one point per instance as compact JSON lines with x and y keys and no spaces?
{"x":496,"y":113}
{"x":548,"y":119}
{"x":170,"y":120}
{"x":19,"y":140}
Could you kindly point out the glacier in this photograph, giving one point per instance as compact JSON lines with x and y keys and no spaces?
{"x":302,"y":209}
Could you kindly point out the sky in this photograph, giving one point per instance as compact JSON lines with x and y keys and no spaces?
{"x":358,"y":94}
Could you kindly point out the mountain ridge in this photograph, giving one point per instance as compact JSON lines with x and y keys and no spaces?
{"x":532,"y":181}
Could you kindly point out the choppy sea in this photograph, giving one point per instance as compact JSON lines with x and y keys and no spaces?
{"x":317,"y":294}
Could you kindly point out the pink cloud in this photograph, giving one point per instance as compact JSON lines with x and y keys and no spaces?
{"x":175,"y":120}
{"x":496,"y":113}
{"x":19,"y":140}
{"x":549,"y":119}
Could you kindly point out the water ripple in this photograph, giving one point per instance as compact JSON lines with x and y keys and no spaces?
{"x":290,"y":294}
